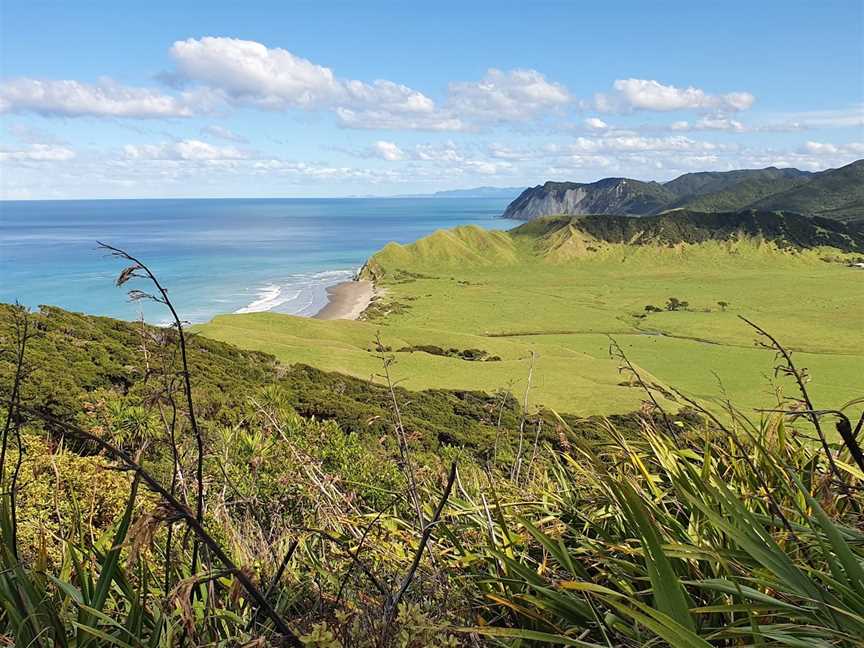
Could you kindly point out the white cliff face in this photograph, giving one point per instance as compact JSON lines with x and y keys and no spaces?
{"x":542,"y":205}
{"x":611,"y":196}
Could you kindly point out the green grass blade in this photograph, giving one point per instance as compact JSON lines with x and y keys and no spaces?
{"x":669,"y":594}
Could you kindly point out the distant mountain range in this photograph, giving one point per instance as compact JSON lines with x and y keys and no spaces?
{"x":835,"y":193}
{"x":476,"y":192}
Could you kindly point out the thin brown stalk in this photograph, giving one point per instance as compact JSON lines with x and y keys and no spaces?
{"x":132,"y":271}
{"x":792,"y":370}
{"x":13,"y":419}
{"x":505,"y":395}
{"x":22,"y":327}
{"x":274,"y":583}
{"x":538,"y":427}
{"x":844,"y":428}
{"x":402,"y":437}
{"x":616,"y":351}
{"x":326,"y":535}
{"x":517,"y":463}
{"x":746,"y":457}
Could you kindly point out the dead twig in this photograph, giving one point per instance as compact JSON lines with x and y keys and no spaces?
{"x":616,"y":351}
{"x":791,"y":370}
{"x":276,"y":578}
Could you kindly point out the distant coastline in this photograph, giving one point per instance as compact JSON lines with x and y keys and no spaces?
{"x":475,"y":192}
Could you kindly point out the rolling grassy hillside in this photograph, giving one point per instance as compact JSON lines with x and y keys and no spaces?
{"x":560,"y":289}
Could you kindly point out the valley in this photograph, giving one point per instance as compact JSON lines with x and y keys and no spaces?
{"x":553,"y":289}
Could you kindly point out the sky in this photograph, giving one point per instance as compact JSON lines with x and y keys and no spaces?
{"x":281,"y":99}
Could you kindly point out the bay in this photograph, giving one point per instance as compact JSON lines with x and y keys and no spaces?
{"x":214,"y":255}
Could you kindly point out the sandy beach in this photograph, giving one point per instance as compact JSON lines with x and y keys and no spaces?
{"x":347,"y":300}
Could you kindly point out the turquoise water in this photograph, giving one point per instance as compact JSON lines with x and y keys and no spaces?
{"x":215,"y":256}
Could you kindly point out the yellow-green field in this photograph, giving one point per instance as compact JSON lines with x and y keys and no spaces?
{"x":563,"y":296}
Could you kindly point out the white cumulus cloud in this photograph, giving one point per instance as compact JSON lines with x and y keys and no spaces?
{"x":375,"y":119}
{"x":217,"y":73}
{"x":624,"y":143}
{"x":507,"y":96}
{"x":250,"y":73}
{"x":76,"y":99}
{"x":189,"y":150}
{"x":645,"y":94}
{"x":711,"y":123}
{"x":822,"y":148}
{"x":387,"y":151}
{"x":595,"y":124}
{"x":38,"y":153}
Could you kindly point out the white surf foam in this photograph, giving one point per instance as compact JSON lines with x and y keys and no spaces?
{"x":269,"y":297}
{"x":298,"y":294}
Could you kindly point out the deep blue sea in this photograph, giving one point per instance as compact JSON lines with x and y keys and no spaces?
{"x":215,"y":256}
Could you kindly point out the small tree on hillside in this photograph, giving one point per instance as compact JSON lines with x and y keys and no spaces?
{"x":723,"y":305}
{"x":674,"y":304}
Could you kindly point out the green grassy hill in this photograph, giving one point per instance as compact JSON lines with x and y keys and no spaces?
{"x":561,"y":287}
{"x":80,"y":359}
{"x":788,"y":231}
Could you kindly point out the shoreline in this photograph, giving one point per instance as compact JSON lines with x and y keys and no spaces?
{"x":347,"y":300}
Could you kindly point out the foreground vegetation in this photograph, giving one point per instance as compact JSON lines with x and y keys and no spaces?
{"x":162,"y":490}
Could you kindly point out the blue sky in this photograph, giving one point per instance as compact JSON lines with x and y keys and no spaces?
{"x":158,"y":99}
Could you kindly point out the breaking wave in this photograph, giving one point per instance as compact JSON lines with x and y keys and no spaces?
{"x":298,"y":294}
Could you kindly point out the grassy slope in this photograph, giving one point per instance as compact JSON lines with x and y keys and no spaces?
{"x":474,"y":289}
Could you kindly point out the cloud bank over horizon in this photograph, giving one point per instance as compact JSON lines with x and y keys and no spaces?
{"x":195,"y":128}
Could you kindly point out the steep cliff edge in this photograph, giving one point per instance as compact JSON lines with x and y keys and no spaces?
{"x":607,"y":196}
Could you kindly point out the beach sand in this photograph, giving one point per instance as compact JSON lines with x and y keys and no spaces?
{"x":347,"y":300}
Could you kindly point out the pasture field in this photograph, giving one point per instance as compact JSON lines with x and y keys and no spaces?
{"x":564,"y":298}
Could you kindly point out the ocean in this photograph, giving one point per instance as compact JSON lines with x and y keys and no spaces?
{"x":214,"y":255}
